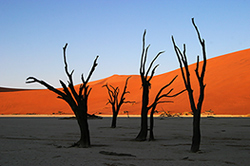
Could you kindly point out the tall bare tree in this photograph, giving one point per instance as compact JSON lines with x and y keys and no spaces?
{"x":116,"y":104}
{"x":77,"y":101}
{"x":196,"y":109}
{"x":145,"y":79}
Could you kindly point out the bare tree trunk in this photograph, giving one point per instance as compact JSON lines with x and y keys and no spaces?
{"x":151,"y":133}
{"x":114,"y":119}
{"x":196,"y":139}
{"x":142,"y":136}
{"x":84,"y":141}
{"x":82,"y":120}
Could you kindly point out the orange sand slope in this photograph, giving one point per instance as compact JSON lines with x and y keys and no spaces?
{"x":227,"y":91}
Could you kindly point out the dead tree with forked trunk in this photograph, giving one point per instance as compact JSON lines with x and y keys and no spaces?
{"x":196,"y":109}
{"x":114,"y":100}
{"x":76,"y":101}
{"x":145,"y":79}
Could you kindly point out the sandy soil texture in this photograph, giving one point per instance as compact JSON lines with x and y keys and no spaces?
{"x":46,"y":141}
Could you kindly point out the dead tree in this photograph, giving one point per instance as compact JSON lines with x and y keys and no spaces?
{"x":114,"y":100}
{"x":158,"y":100}
{"x":196,"y":109}
{"x":145,"y":79}
{"x":76,"y":101}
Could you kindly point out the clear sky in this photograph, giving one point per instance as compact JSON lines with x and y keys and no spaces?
{"x":33,"y":33}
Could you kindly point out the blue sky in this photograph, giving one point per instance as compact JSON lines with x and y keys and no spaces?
{"x":33,"y":32}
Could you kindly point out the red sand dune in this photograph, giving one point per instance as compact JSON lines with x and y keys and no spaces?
{"x":227,"y":91}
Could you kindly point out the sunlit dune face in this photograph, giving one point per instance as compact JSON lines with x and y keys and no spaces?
{"x":227,"y":82}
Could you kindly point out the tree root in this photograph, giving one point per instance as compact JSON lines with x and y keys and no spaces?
{"x":80,"y":144}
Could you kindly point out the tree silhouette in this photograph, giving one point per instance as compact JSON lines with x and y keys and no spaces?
{"x":145,"y":79}
{"x":113,"y":93}
{"x":76,"y":101}
{"x":196,"y":109}
{"x":157,"y":101}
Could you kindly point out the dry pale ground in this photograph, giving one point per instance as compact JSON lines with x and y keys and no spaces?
{"x":45,"y":141}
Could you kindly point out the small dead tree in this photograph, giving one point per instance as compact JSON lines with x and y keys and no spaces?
{"x":196,"y":109}
{"x":76,"y":101}
{"x":158,"y":100}
{"x":145,"y":79}
{"x":114,"y":100}
{"x":126,"y":113}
